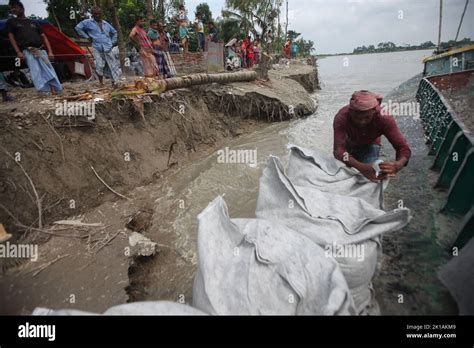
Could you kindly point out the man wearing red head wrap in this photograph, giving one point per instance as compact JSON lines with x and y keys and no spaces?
{"x":358,"y":128}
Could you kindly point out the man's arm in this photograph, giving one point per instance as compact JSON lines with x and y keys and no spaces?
{"x":12,"y":39}
{"x":48,"y":46}
{"x":400,"y":144}
{"x":81,"y":30}
{"x":341,"y":153}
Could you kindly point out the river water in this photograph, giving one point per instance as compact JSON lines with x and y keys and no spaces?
{"x":182,"y":196}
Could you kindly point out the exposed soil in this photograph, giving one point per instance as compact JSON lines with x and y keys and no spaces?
{"x":90,"y":268}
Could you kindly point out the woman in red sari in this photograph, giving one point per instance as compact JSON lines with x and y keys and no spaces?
{"x":140,"y":37}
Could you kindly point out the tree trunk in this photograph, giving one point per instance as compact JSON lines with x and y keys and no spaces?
{"x":264,"y":66}
{"x":460,"y":23}
{"x":286,"y":25}
{"x":56,"y":18}
{"x":149,"y":9}
{"x":440,"y":23}
{"x":279,"y":24}
{"x":161,"y":9}
{"x":116,"y":24}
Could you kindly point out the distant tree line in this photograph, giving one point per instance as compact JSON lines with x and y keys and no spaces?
{"x":391,"y":47}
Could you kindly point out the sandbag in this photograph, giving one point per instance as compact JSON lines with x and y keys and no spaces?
{"x":256,"y":267}
{"x":323,"y":217}
{"x":323,"y":204}
{"x":359,"y":273}
{"x":308,"y":168}
{"x":161,"y":308}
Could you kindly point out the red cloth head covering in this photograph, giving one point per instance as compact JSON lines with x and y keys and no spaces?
{"x":365,"y":100}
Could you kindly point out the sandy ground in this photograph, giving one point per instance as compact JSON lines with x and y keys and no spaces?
{"x":90,"y":268}
{"x":462,"y":102}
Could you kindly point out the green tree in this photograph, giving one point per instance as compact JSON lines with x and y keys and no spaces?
{"x":305,"y":47}
{"x":230,"y":29}
{"x":292,"y":35}
{"x":66,"y":14}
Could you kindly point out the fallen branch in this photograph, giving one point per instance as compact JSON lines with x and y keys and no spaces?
{"x":111,"y":125}
{"x":57,"y":134}
{"x":76,"y":223}
{"x":108,"y":242}
{"x":18,"y":223}
{"x":38,"y":201}
{"x":105,"y":184}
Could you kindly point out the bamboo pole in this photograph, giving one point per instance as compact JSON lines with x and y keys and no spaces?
{"x":462,"y":18}
{"x":440,"y":23}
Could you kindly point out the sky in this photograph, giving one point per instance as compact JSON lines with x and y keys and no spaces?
{"x":339,"y":26}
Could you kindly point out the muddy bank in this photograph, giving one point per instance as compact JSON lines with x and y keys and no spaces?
{"x":126,"y":148}
{"x":129,"y":145}
{"x":408,"y":281}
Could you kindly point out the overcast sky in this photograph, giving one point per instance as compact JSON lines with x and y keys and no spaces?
{"x":338,"y":26}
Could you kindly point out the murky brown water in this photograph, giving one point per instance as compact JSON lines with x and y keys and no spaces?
{"x":182,"y":196}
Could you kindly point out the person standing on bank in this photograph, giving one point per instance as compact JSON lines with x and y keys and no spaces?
{"x":358,"y":128}
{"x":140,"y":37}
{"x":103,"y":37}
{"x":29,"y":42}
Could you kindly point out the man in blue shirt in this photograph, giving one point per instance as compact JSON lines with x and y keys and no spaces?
{"x":103,"y":37}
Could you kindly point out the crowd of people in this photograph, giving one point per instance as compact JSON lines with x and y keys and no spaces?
{"x":248,"y":51}
{"x":154,"y":45}
{"x":290,"y":49}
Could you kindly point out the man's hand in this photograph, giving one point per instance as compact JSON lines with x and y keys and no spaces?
{"x":390,"y":169}
{"x":20,"y":55}
{"x":51,"y":56}
{"x":369,"y":172}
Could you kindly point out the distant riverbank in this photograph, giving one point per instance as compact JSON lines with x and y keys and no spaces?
{"x":321,"y":56}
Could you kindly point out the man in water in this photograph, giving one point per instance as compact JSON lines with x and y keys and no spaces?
{"x":4,"y":88}
{"x":103,"y":37}
{"x":358,"y":128}
{"x":32,"y":45}
{"x":200,"y":31}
